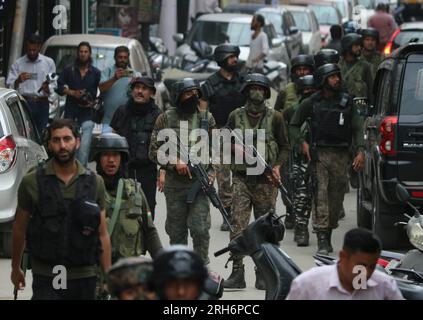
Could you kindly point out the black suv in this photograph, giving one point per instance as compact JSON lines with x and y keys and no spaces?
{"x":394,"y":146}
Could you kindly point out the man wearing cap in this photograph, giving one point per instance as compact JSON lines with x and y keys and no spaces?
{"x":115,"y":85}
{"x":135,"y":121}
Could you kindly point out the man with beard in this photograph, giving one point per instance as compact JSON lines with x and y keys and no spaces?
{"x":114,"y":85}
{"x":61,"y":219}
{"x":79,"y":82}
{"x":369,"y":52}
{"x":334,"y":123}
{"x":259,"y":45}
{"x":28,"y":75}
{"x":135,"y":121}
{"x":221,"y":93}
{"x":254,"y":189}
{"x":183,"y":123}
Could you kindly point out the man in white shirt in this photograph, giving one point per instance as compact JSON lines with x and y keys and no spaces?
{"x":28,"y":76}
{"x":353,"y":277}
{"x":259,"y":45}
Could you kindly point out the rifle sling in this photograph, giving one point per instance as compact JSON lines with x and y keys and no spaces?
{"x":116,"y":209}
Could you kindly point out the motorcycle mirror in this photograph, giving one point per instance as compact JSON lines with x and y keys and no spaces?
{"x":179,"y":37}
{"x":402,"y":193}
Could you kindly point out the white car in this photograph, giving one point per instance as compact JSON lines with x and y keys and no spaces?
{"x":20,"y":150}
{"x":306,"y":21}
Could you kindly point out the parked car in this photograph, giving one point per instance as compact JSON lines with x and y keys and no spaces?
{"x":215,"y":29}
{"x":393,"y":146}
{"x":344,"y":7}
{"x":246,"y":8}
{"x":306,"y":21}
{"x":20,"y":150}
{"x":362,"y":10}
{"x":409,"y":31}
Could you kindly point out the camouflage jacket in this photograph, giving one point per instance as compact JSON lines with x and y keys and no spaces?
{"x":358,"y":77}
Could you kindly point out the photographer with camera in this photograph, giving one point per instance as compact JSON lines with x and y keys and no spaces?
{"x":115,"y":85}
{"x":28,"y":74}
{"x":79,"y":81}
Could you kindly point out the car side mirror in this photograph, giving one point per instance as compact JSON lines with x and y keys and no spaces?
{"x":179,"y":37}
{"x":276,"y":42}
{"x":293,"y":30}
{"x":402,"y":193}
{"x":363,"y":106}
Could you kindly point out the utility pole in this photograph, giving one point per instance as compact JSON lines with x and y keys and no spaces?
{"x":18,"y":31}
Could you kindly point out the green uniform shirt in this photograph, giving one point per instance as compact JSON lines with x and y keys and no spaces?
{"x":374,"y":59}
{"x":28,"y":200}
{"x":304,"y":112}
{"x":358,"y":77}
{"x":290,"y":97}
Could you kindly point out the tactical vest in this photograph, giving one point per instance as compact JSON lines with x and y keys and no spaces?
{"x":224,"y":97}
{"x":331,"y":125}
{"x":353,"y":77}
{"x":140,"y":129}
{"x":266,"y":122}
{"x":65,"y":231}
{"x":134,"y":218}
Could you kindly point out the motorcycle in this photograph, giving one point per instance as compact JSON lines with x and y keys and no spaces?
{"x":158,"y":56}
{"x":260,"y":240}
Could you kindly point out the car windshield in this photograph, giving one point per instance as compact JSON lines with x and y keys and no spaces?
{"x":301,"y":20}
{"x":217,"y":32}
{"x":406,"y":35}
{"x":273,"y":18}
{"x":341,"y":6}
{"x":325,"y":15}
{"x":65,"y":55}
{"x":412,"y":90}
{"x":368,"y":4}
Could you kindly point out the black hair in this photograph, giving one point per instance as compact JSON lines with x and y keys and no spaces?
{"x":361,"y":240}
{"x":121,"y":49}
{"x":336,"y":31}
{"x":381,"y":7}
{"x":85,"y":44}
{"x":260,"y":19}
{"x":63,"y":123}
{"x":33,"y":39}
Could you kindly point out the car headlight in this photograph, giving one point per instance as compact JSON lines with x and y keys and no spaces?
{"x":415,"y":232}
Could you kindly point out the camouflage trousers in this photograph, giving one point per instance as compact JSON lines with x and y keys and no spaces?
{"x":302,"y":195}
{"x":260,"y":197}
{"x":331,"y":173}
{"x":182,"y":217}
{"x":223,"y":176}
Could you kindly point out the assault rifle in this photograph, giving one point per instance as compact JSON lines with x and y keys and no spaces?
{"x":252,"y":151}
{"x":202,"y":182}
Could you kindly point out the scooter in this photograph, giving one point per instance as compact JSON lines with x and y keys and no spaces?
{"x":260,"y":240}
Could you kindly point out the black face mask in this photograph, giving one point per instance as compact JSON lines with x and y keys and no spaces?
{"x":189,"y":106}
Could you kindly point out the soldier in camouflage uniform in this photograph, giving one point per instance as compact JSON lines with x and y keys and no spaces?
{"x":255,"y":191}
{"x":334,"y":123}
{"x":221,"y":94}
{"x":301,"y":65}
{"x":181,"y":216}
{"x":369,"y":52}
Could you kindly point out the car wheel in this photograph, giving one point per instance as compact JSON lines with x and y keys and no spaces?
{"x":384,"y":218}
{"x":364,"y":218}
{"x":7,"y":244}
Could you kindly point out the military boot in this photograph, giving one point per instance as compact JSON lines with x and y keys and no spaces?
{"x":237,"y":278}
{"x":289,"y":221}
{"x":322,"y":243}
{"x":260,"y":283}
{"x":329,"y":237}
{"x":301,"y":236}
{"x":225,"y":226}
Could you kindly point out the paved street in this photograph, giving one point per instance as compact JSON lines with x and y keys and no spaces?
{"x":302,"y":256}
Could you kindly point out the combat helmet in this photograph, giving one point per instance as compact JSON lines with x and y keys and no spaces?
{"x":326,"y":56}
{"x":182,"y":86}
{"x":349,"y":40}
{"x":323,"y":72}
{"x":257,"y":79}
{"x":223,"y":51}
{"x":370,"y":32}
{"x":109,"y":142}
{"x":302,"y":60}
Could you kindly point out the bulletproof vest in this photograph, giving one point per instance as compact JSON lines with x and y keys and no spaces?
{"x":266,"y":122}
{"x":65,"y":231}
{"x":140,"y":129}
{"x":134,"y":217}
{"x":353,"y":77}
{"x":224,"y":97}
{"x":331,"y":124}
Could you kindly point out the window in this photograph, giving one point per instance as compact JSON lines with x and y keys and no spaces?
{"x":17,"y":117}
{"x":31,"y":131}
{"x":218,"y":32}
{"x":325,"y":15}
{"x":412,"y":90}
{"x":275,"y":19}
{"x":302,"y":20}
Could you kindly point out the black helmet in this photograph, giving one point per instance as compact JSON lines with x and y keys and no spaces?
{"x":306,"y":82}
{"x":109,"y":142}
{"x":323,"y":72}
{"x":370,"y":32}
{"x":177,"y":262}
{"x":257,"y":79}
{"x":326,"y":56}
{"x":223,"y":51}
{"x":302,"y":60}
{"x":128,"y":273}
{"x":349,"y":40}
{"x":147,"y":81}
{"x":182,"y":86}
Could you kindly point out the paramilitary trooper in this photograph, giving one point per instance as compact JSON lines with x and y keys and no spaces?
{"x":326,"y":56}
{"x":183,"y":122}
{"x":369,"y":51}
{"x":255,"y":190}
{"x":334,"y":123}
{"x":221,"y":93}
